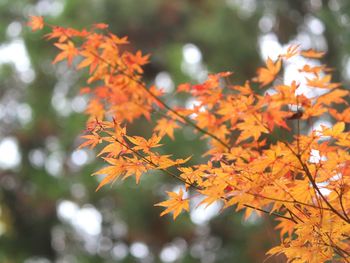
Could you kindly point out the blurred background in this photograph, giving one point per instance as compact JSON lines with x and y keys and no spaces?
{"x":49,"y":210}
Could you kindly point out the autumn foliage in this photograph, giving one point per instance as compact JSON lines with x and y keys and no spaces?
{"x":302,"y":181}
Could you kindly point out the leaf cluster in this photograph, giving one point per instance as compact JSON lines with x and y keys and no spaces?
{"x":304,"y":183}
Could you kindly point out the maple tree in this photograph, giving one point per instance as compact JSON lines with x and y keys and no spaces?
{"x":303,"y":182}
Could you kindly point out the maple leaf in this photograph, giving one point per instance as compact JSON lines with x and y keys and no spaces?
{"x":95,"y":109}
{"x":117,"y":40}
{"x":91,"y":140}
{"x":268,"y":74}
{"x":111,"y":172}
{"x":212,"y":194}
{"x":113,"y":149}
{"x":63,"y":34}
{"x":335,"y":131}
{"x":100,"y":26}
{"x":291,"y":52}
{"x":311,"y":53}
{"x":59,"y":33}
{"x":135,"y":61}
{"x":36,"y":23}
{"x":285,"y":226}
{"x":135,"y":166}
{"x":90,"y":59}
{"x":182,"y":161}
{"x":184,"y":87}
{"x":322,"y":83}
{"x":143,"y":144}
{"x":175,"y":204}
{"x":309,"y":69}
{"x":276,"y":117}
{"x":312,"y":111}
{"x":341,"y":116}
{"x":165,"y":126}
{"x":69,"y":51}
{"x":251,"y":127}
{"x":335,"y":96}
{"x":161,"y":161}
{"x":190,"y":176}
{"x":245,"y":90}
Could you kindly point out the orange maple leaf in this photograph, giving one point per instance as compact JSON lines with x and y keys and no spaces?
{"x":59,"y":33}
{"x":322,"y":83}
{"x":136,"y":61}
{"x":69,"y":51}
{"x":100,"y":26}
{"x":63,"y":34}
{"x":175,"y":204}
{"x":95,"y":109}
{"x":117,"y":40}
{"x":165,"y":126}
{"x":291,"y":52}
{"x":184,"y":87}
{"x":335,"y":96}
{"x":276,"y":118}
{"x":91,"y":140}
{"x":341,"y":116}
{"x":268,"y":74}
{"x":36,"y":23}
{"x":311,"y":53}
{"x":143,"y":144}
{"x":90,"y":59}
{"x":135,"y":166}
{"x":111,"y":172}
{"x":336,"y":130}
{"x":315,"y":70}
